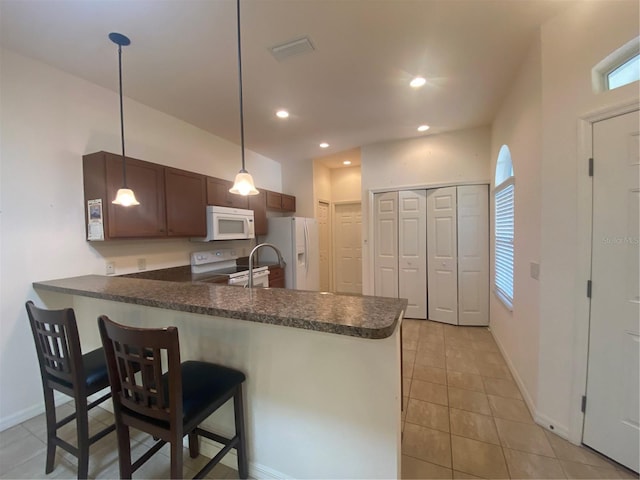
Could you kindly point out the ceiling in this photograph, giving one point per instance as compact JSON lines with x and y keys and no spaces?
{"x":351,"y":91}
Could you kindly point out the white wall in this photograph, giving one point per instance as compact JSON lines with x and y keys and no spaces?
{"x":297,"y":179}
{"x":444,"y":159}
{"x":571,"y":45}
{"x":346,"y":184}
{"x":49,"y":120}
{"x":518,"y":125}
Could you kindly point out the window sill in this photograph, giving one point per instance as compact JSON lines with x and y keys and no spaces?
{"x":508,"y":303}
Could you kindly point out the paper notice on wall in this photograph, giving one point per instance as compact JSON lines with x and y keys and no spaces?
{"x":95,"y":228}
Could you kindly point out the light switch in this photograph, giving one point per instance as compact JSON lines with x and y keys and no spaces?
{"x":534,"y":269}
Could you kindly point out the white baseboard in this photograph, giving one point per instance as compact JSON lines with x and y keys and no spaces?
{"x":210,"y":449}
{"x":539,"y":418}
{"x":35,"y":410}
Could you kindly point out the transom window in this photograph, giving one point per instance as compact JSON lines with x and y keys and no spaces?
{"x":621,"y":67}
{"x":624,"y":74}
{"x":504,"y":193}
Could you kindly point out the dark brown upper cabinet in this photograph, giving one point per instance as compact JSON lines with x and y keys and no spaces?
{"x":186,"y":201}
{"x":281,"y":202}
{"x":172,"y":201}
{"x":258,"y":203}
{"x":103,"y":177}
{"x":218,"y":194}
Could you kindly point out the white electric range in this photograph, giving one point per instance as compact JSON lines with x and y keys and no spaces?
{"x":223,"y":262}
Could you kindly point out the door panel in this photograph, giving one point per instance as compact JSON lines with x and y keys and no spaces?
{"x":386,"y":244}
{"x":323,"y":230}
{"x":442,"y":262}
{"x":348,"y":247}
{"x":612,"y":409}
{"x":473,"y":254}
{"x":412,"y":258}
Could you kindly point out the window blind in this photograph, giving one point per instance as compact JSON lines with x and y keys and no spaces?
{"x":504,"y":223}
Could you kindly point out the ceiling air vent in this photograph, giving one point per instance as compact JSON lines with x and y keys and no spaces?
{"x":291,"y":48}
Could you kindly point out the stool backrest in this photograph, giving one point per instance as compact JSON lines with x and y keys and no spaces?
{"x":134,"y":362}
{"x":57,"y":342}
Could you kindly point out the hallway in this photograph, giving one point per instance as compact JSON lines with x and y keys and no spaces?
{"x":464,"y":416}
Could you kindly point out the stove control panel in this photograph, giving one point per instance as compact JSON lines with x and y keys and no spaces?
{"x":213,"y":256}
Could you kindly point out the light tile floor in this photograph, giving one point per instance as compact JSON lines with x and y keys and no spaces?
{"x":464,"y":416}
{"x":23,"y":451}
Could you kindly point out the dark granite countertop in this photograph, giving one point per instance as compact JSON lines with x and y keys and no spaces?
{"x":352,"y":315}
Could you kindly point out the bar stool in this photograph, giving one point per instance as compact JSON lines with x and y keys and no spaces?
{"x":65,"y":369}
{"x":168,"y":405}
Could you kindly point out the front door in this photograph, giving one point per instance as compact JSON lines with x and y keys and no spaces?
{"x":611,"y":415}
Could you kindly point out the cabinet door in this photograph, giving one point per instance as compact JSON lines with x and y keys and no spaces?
{"x":147,"y":182}
{"x":274,"y":201}
{"x":218,"y":194}
{"x":186,"y":203}
{"x":276,"y":277}
{"x":258,"y":203}
{"x":288,"y":203}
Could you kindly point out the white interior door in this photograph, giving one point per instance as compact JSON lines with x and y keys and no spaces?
{"x":325,"y":245}
{"x":612,"y":407}
{"x":473,"y":254}
{"x":442,"y":261}
{"x":412,"y":251}
{"x":348,"y":247}
{"x":386,"y":244}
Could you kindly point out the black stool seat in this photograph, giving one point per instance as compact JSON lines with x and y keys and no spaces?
{"x":167,"y":405}
{"x":65,"y":369}
{"x":95,"y":369}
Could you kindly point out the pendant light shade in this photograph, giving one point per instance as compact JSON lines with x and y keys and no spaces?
{"x":243,"y":184}
{"x":125,"y":196}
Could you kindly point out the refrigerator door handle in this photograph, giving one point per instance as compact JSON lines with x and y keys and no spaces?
{"x":306,"y":248}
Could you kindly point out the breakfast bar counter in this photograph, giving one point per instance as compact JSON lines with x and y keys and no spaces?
{"x":353,"y":315}
{"x":323,"y":389}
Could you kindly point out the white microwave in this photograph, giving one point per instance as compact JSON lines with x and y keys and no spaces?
{"x":225,"y":223}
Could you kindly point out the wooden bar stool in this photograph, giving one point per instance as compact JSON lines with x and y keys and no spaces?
{"x":65,"y":369}
{"x":168,"y":405}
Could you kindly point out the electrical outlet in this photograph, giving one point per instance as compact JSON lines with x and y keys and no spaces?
{"x":111,"y":268}
{"x":142,"y":264}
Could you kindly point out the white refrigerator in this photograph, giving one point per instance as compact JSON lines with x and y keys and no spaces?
{"x":297,"y":239}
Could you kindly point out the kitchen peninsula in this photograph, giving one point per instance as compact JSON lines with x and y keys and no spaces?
{"x":323,"y":370}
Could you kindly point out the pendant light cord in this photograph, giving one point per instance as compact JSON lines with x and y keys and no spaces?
{"x":240,"y":83}
{"x":124,"y":168}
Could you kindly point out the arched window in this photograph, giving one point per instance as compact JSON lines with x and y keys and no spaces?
{"x":504,"y":193}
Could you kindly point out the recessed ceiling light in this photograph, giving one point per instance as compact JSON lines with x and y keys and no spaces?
{"x":417,"y":82}
{"x":324,"y":145}
{"x":423,"y":128}
{"x":282,"y":114}
{"x":347,"y":162}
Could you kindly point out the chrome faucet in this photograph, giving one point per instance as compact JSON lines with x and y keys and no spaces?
{"x":281,"y":261}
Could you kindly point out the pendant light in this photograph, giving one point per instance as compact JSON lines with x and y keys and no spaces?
{"x":243,"y":184}
{"x":125,"y":196}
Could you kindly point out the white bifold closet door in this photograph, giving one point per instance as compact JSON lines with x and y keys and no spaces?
{"x":412,"y":258}
{"x":442,"y":254}
{"x":400,"y":248}
{"x":386,"y":244}
{"x":458,"y":254}
{"x":473,"y":255}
